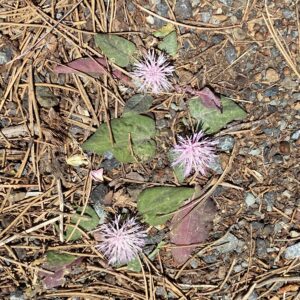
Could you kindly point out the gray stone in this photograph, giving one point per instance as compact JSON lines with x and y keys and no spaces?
{"x":98,"y":193}
{"x":295,"y":135}
{"x":261,"y":248}
{"x":270,"y":198}
{"x":110,"y":164}
{"x":225,"y":143}
{"x":227,"y":2}
{"x":275,"y":132}
{"x":5,"y":55}
{"x":45,"y":97}
{"x":195,"y":2}
{"x":230,"y":243}
{"x":278,"y":158}
{"x":253,"y":296}
{"x":210,"y":259}
{"x":205,"y":16}
{"x":288,"y":14}
{"x":255,"y":152}
{"x":215,"y":165}
{"x":194,"y":263}
{"x":217,"y":38}
{"x":296,"y":96}
{"x":183,"y":9}
{"x":162,"y":9}
{"x":271,"y":91}
{"x":250,"y":199}
{"x":16,"y":295}
{"x":230,"y":54}
{"x":292,"y":252}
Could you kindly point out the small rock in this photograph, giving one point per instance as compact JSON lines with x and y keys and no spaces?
{"x":230,"y":54}
{"x":261,"y":248}
{"x":230,"y":243}
{"x":289,"y":84}
{"x":45,"y":97}
{"x":98,"y":193}
{"x":225,"y":143}
{"x":110,"y":164}
{"x":162,"y":9}
{"x":150,"y":20}
{"x":216,"y":165}
{"x":253,"y":296}
{"x":255,"y":152}
{"x":5,"y":55}
{"x":288,"y":14}
{"x":250,"y":199}
{"x":295,"y":135}
{"x":238,"y":268}
{"x":270,"y":198}
{"x":205,"y":16}
{"x":292,"y":252}
{"x":227,"y":2}
{"x":272,"y":75}
{"x":16,"y":295}
{"x":278,"y":159}
{"x":294,"y":234}
{"x":161,"y":291}
{"x":239,"y":34}
{"x":210,"y":259}
{"x":275,"y":132}
{"x":183,"y":9}
{"x":271,"y":92}
{"x":194,"y":263}
{"x":217,"y":38}
{"x":296,"y":96}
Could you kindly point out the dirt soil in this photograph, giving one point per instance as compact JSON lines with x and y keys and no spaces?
{"x":248,"y":51}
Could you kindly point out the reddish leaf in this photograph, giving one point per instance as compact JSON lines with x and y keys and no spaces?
{"x":191,"y":226}
{"x":206,"y":95}
{"x":58,"y":278}
{"x":90,"y":66}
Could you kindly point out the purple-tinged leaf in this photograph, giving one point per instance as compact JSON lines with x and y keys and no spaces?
{"x":191,"y":226}
{"x":208,"y":98}
{"x":59,"y":263}
{"x":90,"y":66}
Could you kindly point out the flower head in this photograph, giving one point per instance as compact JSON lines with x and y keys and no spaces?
{"x":121,"y":240}
{"x":194,"y":153}
{"x":155,"y":72}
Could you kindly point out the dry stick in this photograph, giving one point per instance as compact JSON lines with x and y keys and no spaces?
{"x":145,"y":279}
{"x":25,"y":265}
{"x":258,"y":284}
{"x":61,"y":209}
{"x":34,"y":228}
{"x":278,"y":42}
{"x":183,"y":24}
{"x":44,"y":35}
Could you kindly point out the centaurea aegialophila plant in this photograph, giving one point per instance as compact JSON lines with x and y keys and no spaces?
{"x":122,"y":240}
{"x":155,"y":72}
{"x":194,"y":153}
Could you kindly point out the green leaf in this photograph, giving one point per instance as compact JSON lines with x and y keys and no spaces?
{"x":135,"y":265}
{"x":169,"y":43}
{"x":88,"y":221}
{"x":55,"y":259}
{"x":140,"y":129}
{"x":116,"y":48}
{"x":165,"y":30}
{"x":154,"y":203}
{"x":212,"y":119}
{"x":137,"y":104}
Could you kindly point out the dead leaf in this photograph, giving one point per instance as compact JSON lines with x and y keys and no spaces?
{"x":90,"y":66}
{"x":191,"y":226}
{"x":288,"y":288}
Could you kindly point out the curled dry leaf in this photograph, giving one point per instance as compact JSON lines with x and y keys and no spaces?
{"x":191,"y":226}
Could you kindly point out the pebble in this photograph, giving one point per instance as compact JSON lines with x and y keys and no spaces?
{"x":250,"y":199}
{"x":296,"y":96}
{"x":16,"y":295}
{"x":98,"y":193}
{"x":162,"y":9}
{"x":288,"y":14}
{"x":271,"y":92}
{"x":275,"y":132}
{"x":194,"y":263}
{"x":255,"y":152}
{"x":110,"y":164}
{"x":230,"y":54}
{"x":292,"y":252}
{"x":205,"y":16}
{"x":216,"y":165}
{"x":183,"y":9}
{"x":261,"y":248}
{"x":272,"y":75}
{"x":5,"y":55}
{"x":289,"y":84}
{"x":227,"y":2}
{"x":225,"y":143}
{"x":295,"y":135}
{"x":269,"y":198}
{"x":45,"y":97}
{"x":239,"y":34}
{"x":230,"y":243}
{"x":278,"y":159}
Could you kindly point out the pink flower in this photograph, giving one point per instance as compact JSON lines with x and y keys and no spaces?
{"x":121,"y":240}
{"x":155,"y":72}
{"x":194,"y":153}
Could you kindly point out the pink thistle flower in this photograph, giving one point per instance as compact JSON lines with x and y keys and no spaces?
{"x":122,"y":241}
{"x":194,"y":153}
{"x":155,"y":72}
